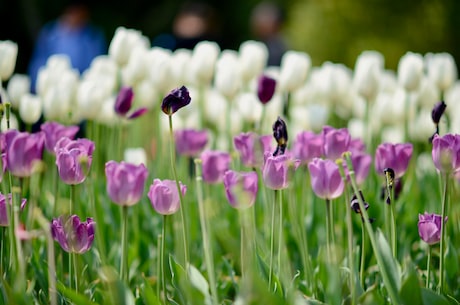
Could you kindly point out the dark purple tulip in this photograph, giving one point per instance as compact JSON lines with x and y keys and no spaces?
{"x":336,"y":142}
{"x":446,"y":152}
{"x":73,"y":235}
{"x":275,"y":170}
{"x":215,"y":164}
{"x":251,"y":148}
{"x":307,"y":146}
{"x":54,"y":132}
{"x":175,"y":100}
{"x":125,"y":182}
{"x":4,"y":210}
{"x":73,"y":159}
{"x":281,"y":136}
{"x":241,"y":188}
{"x":190,"y":142}
{"x":394,"y":156}
{"x":438,"y":111}
{"x":124,"y":101}
{"x":429,"y":227}
{"x":23,"y":150}
{"x":265,"y":88}
{"x":325,"y":177}
{"x":164,"y":196}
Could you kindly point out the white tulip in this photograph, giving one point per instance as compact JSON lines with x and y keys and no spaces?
{"x":228,"y":78}
{"x":107,"y":113}
{"x":14,"y":124}
{"x":333,"y":81}
{"x":203,"y":62}
{"x":90,"y":96}
{"x":422,"y":127}
{"x":299,"y":119}
{"x":452,"y":99}
{"x":368,"y":68}
{"x":393,"y":134}
{"x":357,"y":128}
{"x":442,"y":69}
{"x":294,"y":70}
{"x":428,"y":93}
{"x":135,"y":156}
{"x":18,"y":85}
{"x":124,"y":42}
{"x":146,"y":95}
{"x":136,"y":68}
{"x":249,"y":106}
{"x":59,"y":62}
{"x":410,"y":71}
{"x":102,"y":64}
{"x":424,"y":165}
{"x":253,"y":59}
{"x":30,"y":108}
{"x":179,"y":68}
{"x":53,"y":107}
{"x":159,"y":62}
{"x":214,"y":106}
{"x":8,"y":56}
{"x":318,"y":115}
{"x":388,"y":82}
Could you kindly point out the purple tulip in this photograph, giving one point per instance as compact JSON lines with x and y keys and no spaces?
{"x":190,"y":142}
{"x":275,"y":170}
{"x":73,"y":159}
{"x":54,"y":132}
{"x":429,"y":227}
{"x":23,"y":150}
{"x":124,"y":102}
{"x":175,"y":100}
{"x":73,"y":235}
{"x":336,"y":142}
{"x":394,"y":156}
{"x":361,"y":164}
{"x":307,"y":145}
{"x":164,"y":196}
{"x":265,"y":88}
{"x":325,"y":178}
{"x":251,"y":148}
{"x":4,"y":210}
{"x":356,"y":145}
{"x":215,"y":164}
{"x":241,"y":188}
{"x":446,"y":152}
{"x":125,"y":182}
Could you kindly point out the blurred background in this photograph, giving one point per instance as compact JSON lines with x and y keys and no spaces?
{"x":329,"y":30}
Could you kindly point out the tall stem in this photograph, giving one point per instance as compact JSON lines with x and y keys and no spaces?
{"x":351,"y":262}
{"x":443,"y":234}
{"x":124,"y":245}
{"x":280,"y":232}
{"x":328,"y":230}
{"x":75,"y":267}
{"x":363,"y":255}
{"x":159,"y":264}
{"x":272,"y":244}
{"x":162,"y":259}
{"x":172,"y":152}
{"x":208,"y":256}
{"x":428,"y":268}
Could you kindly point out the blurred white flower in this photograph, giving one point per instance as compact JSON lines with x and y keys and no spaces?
{"x":422,"y":127}
{"x":13,"y":122}
{"x":135,"y":155}
{"x":357,"y":128}
{"x":428,"y":94}
{"x":294,"y":70}
{"x":159,"y":62}
{"x":215,"y":106}
{"x":368,"y":69}
{"x":227,"y":77}
{"x":59,"y":97}
{"x":179,"y":68}
{"x":203,"y":62}
{"x":124,"y":41}
{"x":333,"y":81}
{"x":441,"y":69}
{"x":253,"y":59}
{"x":249,"y":107}
{"x":136,"y":67}
{"x":30,"y":108}
{"x":18,"y":85}
{"x":146,"y":95}
{"x":299,"y":119}
{"x":424,"y":165}
{"x":393,"y":134}
{"x":8,"y":56}
{"x":318,"y":115}
{"x":90,"y":96}
{"x":388,"y":82}
{"x":410,"y":71}
{"x":107,"y":114}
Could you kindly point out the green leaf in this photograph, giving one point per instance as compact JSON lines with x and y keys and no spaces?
{"x":199,"y":282}
{"x":410,"y":290}
{"x":371,"y":296}
{"x":431,"y":298}
{"x":388,"y":261}
{"x":148,"y":294}
{"x":74,"y":296}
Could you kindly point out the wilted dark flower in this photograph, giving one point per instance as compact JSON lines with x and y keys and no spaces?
{"x":175,"y":100}
{"x":355,"y":203}
{"x":438,"y":111}
{"x":124,"y":102}
{"x":281,"y":136}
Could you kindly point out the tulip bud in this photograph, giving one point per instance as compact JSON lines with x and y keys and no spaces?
{"x":203,"y":61}
{"x":438,"y":111}
{"x":265,"y":88}
{"x":368,"y":68}
{"x":18,"y":85}
{"x":294,"y":70}
{"x":227,"y":78}
{"x":135,"y":156}
{"x":30,"y":108}
{"x":8,"y":56}
{"x":175,"y":100}
{"x":253,"y":59}
{"x":281,"y":136}
{"x":442,"y":69}
{"x":410,"y":71}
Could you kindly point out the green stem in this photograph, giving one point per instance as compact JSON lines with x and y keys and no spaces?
{"x":162,"y":259}
{"x":72,"y":199}
{"x":280,"y":232}
{"x":272,"y":244}
{"x":56,"y":190}
{"x":394,"y":245}
{"x":363,"y":255}
{"x":328,"y":230}
{"x":75,"y":266}
{"x":2,"y":249}
{"x":159,"y":264}
{"x":172,"y":152}
{"x":428,"y":268}
{"x":208,"y":256}
{"x":351,"y":260}
{"x":443,"y":233}
{"x":124,"y":245}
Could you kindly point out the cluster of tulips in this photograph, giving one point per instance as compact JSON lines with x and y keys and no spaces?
{"x":281,"y":258}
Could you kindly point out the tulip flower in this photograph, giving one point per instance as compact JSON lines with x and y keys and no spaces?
{"x":253,"y":57}
{"x":446,"y":152}
{"x":124,"y":102}
{"x":73,"y":235}
{"x":175,"y":100}
{"x":438,"y":111}
{"x":30,"y":108}
{"x":265,"y":88}
{"x":164,"y":196}
{"x":190,"y":142}
{"x":441,"y":69}
{"x":275,"y":170}
{"x":251,"y":148}
{"x":18,"y":85}
{"x":73,"y":159}
{"x":410,"y":71}
{"x":135,"y":156}
{"x":394,"y":156}
{"x":215,"y":164}
{"x":4,"y":200}
{"x":23,"y":150}
{"x":8,"y":56}
{"x":54,"y":132}
{"x":429,"y":227}
{"x":336,"y":142}
{"x":325,"y":178}
{"x":125,"y":182}
{"x":241,"y":188}
{"x":281,"y":136}
{"x":307,"y":145}
{"x":361,"y":164}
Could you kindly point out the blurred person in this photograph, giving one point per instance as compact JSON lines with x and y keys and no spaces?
{"x":266,"y":24}
{"x":71,"y":34}
{"x":195,"y":22}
